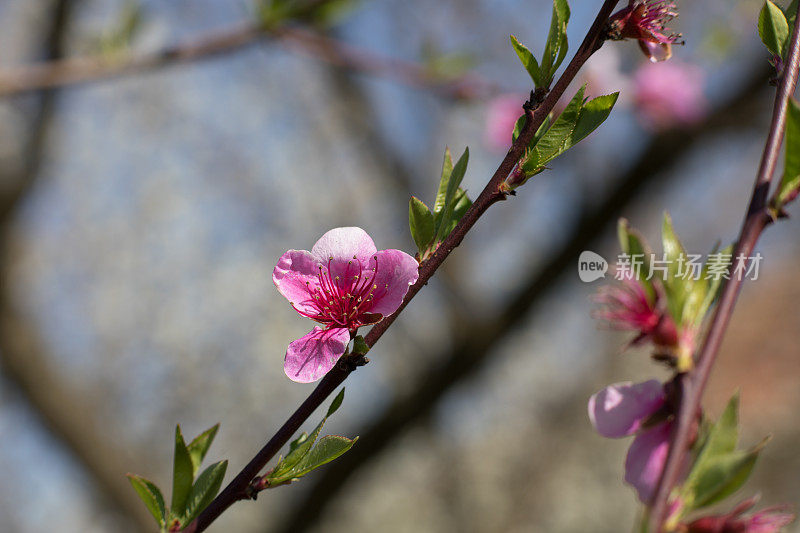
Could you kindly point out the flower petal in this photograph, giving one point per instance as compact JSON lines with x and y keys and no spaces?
{"x":655,"y":51}
{"x":342,"y":244}
{"x":295,"y":276}
{"x":619,"y":409}
{"x":645,"y":460}
{"x":396,"y":272}
{"x":312,"y":356}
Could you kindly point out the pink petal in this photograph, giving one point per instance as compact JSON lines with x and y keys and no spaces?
{"x":656,"y":52}
{"x":396,"y":272}
{"x":342,"y":244}
{"x":295,"y":276}
{"x":619,"y":409}
{"x":312,"y":356}
{"x":646,"y":458}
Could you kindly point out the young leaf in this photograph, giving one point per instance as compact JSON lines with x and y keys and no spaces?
{"x":720,"y":477}
{"x":204,"y":490}
{"x":335,"y":404}
{"x":182,"y":474}
{"x":678,"y":289}
{"x":528,"y":61}
{"x":555,"y":49}
{"x":557,"y":136}
{"x":453,"y":183}
{"x":301,"y":446}
{"x":447,"y":169}
{"x":420,"y":220}
{"x":773,"y":28}
{"x":151,"y":496}
{"x":593,"y":113}
{"x":199,"y":447}
{"x":790,"y":182}
{"x":329,"y":448}
{"x":462,"y":203}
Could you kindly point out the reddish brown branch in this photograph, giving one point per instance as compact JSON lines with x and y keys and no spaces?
{"x":757,"y":218}
{"x":237,"y":488}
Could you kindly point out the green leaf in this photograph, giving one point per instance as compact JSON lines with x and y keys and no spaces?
{"x":204,"y":490}
{"x":773,"y":28}
{"x":791,"y":14}
{"x":593,"y":113}
{"x":677,"y":288}
{"x":555,"y":49}
{"x":790,"y":182}
{"x":720,"y":477}
{"x":633,"y":244}
{"x":441,"y":194}
{"x":719,"y":469}
{"x":329,"y":448}
{"x":336,"y":403}
{"x":299,"y":448}
{"x":528,"y":61}
{"x":710,"y":288}
{"x":453,"y":183}
{"x":199,"y":447}
{"x":539,"y":133}
{"x":420,"y":220}
{"x":151,"y":496}
{"x":557,"y":137}
{"x":462,"y":203}
{"x":182,"y":474}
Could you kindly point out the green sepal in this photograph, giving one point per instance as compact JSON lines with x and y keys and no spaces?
{"x":151,"y":496}
{"x":182,"y":474}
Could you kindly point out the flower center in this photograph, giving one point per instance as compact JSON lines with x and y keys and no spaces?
{"x":342,"y":298}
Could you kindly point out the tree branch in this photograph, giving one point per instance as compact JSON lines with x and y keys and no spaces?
{"x":692,"y":384}
{"x":471,"y":351}
{"x":237,"y":489}
{"x":78,"y":70}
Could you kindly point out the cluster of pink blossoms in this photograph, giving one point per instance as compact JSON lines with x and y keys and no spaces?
{"x":344,"y":283}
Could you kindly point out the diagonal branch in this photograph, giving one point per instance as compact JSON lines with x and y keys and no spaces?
{"x":693,"y":384}
{"x":237,"y":489}
{"x":471,"y":351}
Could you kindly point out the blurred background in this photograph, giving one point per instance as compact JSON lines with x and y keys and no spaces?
{"x":142,"y":214}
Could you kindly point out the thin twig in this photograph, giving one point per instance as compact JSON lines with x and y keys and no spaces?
{"x":757,"y":218}
{"x":492,"y":193}
{"x":78,"y":70}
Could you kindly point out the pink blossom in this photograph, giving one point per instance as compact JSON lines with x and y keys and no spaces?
{"x":623,"y":409}
{"x":628,"y":307}
{"x":645,"y":21}
{"x":670,"y":94}
{"x":343,"y":283}
{"x":620,"y":409}
{"x":501,"y":116}
{"x":770,"y":520}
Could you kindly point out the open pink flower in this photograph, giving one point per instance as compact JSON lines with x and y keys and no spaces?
{"x":344,"y":283}
{"x":669,"y":94}
{"x":770,"y":520}
{"x":620,"y":410}
{"x":645,"y":21}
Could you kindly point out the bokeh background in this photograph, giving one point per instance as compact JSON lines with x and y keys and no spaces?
{"x":142,"y":215}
